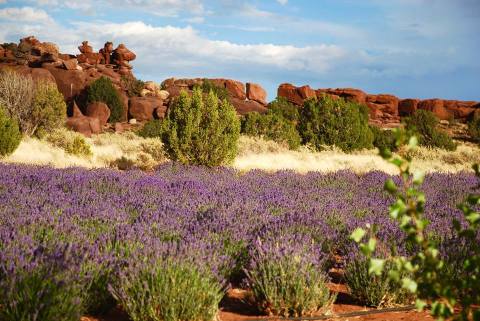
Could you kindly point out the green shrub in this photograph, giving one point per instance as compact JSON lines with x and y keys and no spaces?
{"x":168,"y":291}
{"x":288,"y":287}
{"x":201,"y":130}
{"x":96,"y":298}
{"x":49,"y":110}
{"x":207,"y":86}
{"x":271,"y":126}
{"x":373,"y":290}
{"x":383,"y":139}
{"x":10,"y":135}
{"x":283,"y":107}
{"x":424,"y":125}
{"x":133,"y":85}
{"x":103,"y":90}
{"x":326,"y":121}
{"x":151,"y":129}
{"x":474,"y":127}
{"x":70,"y":141}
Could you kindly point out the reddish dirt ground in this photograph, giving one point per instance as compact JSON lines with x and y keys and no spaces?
{"x":235,"y":307}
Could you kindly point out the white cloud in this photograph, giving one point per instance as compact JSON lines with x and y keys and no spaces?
{"x":25,"y":14}
{"x":282,"y":2}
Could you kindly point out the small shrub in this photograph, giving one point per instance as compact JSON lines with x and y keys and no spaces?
{"x":335,"y":122}
{"x":289,"y":287}
{"x":49,"y":110}
{"x":44,"y":289}
{"x":103,"y":90}
{"x":271,"y":126}
{"x":201,"y":130}
{"x":154,"y":148}
{"x":207,"y":86}
{"x":152,"y":128}
{"x":72,"y":142}
{"x":10,"y":136}
{"x":168,"y":291}
{"x":16,"y":96}
{"x":133,"y":85}
{"x":96,"y":298}
{"x":424,"y":125}
{"x":283,"y":107}
{"x":123,"y":163}
{"x":373,"y":290}
{"x":474,"y":127}
{"x":383,"y":139}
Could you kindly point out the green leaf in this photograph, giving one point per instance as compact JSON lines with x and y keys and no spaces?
{"x":420,"y":305}
{"x":409,"y":284}
{"x":390,"y":186}
{"x":358,"y":234}
{"x":376,"y":266}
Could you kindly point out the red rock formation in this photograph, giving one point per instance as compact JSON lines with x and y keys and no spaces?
{"x":246,"y":106}
{"x":142,"y":108}
{"x":98,"y":110}
{"x":83,"y":124}
{"x":437,"y":107}
{"x":106,"y":52}
{"x":290,"y":93}
{"x":257,"y":93}
{"x":407,"y":107}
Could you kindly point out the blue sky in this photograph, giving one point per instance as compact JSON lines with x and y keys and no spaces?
{"x":411,"y":48}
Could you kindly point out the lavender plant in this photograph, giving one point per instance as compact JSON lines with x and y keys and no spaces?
{"x":425,"y":273}
{"x":167,"y":291}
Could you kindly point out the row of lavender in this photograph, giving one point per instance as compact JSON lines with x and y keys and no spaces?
{"x":91,"y":229}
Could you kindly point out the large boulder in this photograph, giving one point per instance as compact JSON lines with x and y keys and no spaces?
{"x":389,"y":103}
{"x":460,"y":109}
{"x":83,"y":124}
{"x":246,"y":106}
{"x":142,"y":108}
{"x":437,"y":107}
{"x":70,"y":83}
{"x":407,"y":107}
{"x":350,"y":94}
{"x":290,"y":93}
{"x":235,"y":88}
{"x":257,"y":93}
{"x":98,"y":110}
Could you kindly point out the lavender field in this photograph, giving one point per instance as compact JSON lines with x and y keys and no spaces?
{"x":100,"y":223}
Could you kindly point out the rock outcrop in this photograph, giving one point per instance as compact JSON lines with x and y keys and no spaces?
{"x":384,"y":109}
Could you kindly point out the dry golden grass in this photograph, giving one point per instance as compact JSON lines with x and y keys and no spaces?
{"x":128,"y":150}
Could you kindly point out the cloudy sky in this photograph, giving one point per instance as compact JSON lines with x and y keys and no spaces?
{"x":411,"y":48}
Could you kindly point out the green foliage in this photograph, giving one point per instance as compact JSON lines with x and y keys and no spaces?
{"x":384,"y":139}
{"x":10,"y":136}
{"x":201,"y":130}
{"x":103,"y":90}
{"x":373,"y":290}
{"x":474,"y":127}
{"x":207,"y":86}
{"x":133,"y":85}
{"x":424,"y":125}
{"x":49,"y":110}
{"x":45,"y":291}
{"x":335,"y":122}
{"x":271,"y":126}
{"x":96,"y":298}
{"x":151,"y":129}
{"x":72,"y":142}
{"x":424,"y":273}
{"x":168,"y":291}
{"x":283,"y":107}
{"x":288,"y":287}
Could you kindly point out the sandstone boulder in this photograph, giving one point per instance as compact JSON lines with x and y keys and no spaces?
{"x":142,"y":108}
{"x":350,"y":94}
{"x":257,"y":93}
{"x":98,"y":110}
{"x":290,"y":93}
{"x":407,"y":107}
{"x":235,"y":88}
{"x":70,"y":64}
{"x":83,"y":124}
{"x":246,"y":106}
{"x":460,"y":109}
{"x":437,"y":107}
{"x":389,"y":103}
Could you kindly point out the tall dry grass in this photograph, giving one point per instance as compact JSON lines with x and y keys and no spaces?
{"x":127,"y":150}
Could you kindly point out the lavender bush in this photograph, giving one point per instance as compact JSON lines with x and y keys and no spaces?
{"x":213,"y":219}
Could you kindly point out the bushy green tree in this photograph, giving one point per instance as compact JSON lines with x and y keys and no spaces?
{"x":10,"y":135}
{"x":327,"y":121}
{"x":474,"y":127}
{"x":49,"y":110}
{"x":383,"y":139}
{"x":133,"y":85}
{"x":271,"y":126}
{"x":201,"y":130}
{"x":424,"y":125}
{"x":281,"y":106}
{"x":103,"y":90}
{"x":207,"y":86}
